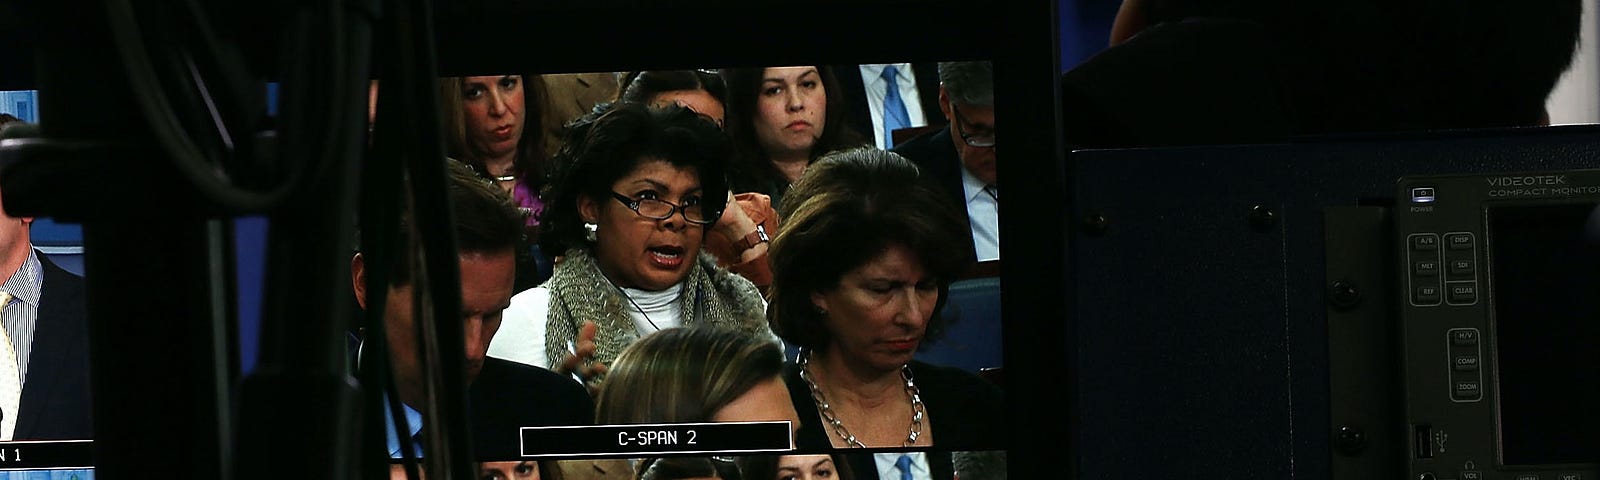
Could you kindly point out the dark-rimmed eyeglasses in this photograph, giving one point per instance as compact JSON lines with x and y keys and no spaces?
{"x":661,"y":209}
{"x":985,"y":140}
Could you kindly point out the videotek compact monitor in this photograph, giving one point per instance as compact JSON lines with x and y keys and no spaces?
{"x":1500,"y":314}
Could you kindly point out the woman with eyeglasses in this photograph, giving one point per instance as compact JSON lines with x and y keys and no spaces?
{"x":784,"y":118}
{"x":633,"y":192}
{"x":741,"y":236}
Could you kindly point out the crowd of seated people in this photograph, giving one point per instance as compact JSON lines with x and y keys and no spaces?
{"x":660,"y":213}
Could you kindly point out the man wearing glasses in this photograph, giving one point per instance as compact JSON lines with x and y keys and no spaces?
{"x":961,"y":156}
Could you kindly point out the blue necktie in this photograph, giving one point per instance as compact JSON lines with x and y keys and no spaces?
{"x":903,"y":463}
{"x":894,"y":110}
{"x":417,"y":442}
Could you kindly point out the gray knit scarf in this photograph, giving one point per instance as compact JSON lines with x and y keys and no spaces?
{"x":711,"y":295}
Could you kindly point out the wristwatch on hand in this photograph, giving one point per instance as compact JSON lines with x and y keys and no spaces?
{"x":754,"y":238}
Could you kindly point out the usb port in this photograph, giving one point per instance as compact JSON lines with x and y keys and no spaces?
{"x":1424,"y":441}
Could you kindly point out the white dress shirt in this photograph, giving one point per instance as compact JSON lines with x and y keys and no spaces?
{"x":876,"y":87}
{"x":983,"y":212}
{"x":887,"y":470}
{"x":522,"y":326}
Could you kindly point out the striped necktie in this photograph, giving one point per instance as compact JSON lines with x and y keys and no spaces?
{"x":10,"y":379}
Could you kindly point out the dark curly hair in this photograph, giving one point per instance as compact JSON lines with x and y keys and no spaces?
{"x":642,"y":86}
{"x":610,"y":142}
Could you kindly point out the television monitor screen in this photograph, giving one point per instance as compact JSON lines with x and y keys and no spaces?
{"x":970,"y":349}
{"x":842,"y":38}
{"x":838,"y":35}
{"x":1543,"y":260}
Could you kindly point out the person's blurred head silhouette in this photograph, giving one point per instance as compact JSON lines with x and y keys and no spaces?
{"x":1232,"y":71}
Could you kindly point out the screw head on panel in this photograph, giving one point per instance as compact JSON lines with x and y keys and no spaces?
{"x":1344,"y":295}
{"x":1262,"y":217}
{"x":1095,"y":224}
{"x":1351,"y":440}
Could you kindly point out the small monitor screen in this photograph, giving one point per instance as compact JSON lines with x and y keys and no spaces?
{"x":647,"y":399}
{"x":1545,"y":269}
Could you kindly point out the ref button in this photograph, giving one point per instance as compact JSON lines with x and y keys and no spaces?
{"x":1427,"y":294}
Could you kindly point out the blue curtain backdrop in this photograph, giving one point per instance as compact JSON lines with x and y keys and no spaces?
{"x":1085,"y":27}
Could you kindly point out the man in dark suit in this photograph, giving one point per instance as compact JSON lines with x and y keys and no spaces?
{"x":46,"y":325}
{"x":864,"y":86}
{"x":961,"y":156}
{"x":502,"y":396}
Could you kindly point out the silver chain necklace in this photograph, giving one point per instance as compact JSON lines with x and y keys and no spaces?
{"x":918,"y":411}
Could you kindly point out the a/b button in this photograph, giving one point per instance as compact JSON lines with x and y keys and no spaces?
{"x":1424,"y":241}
